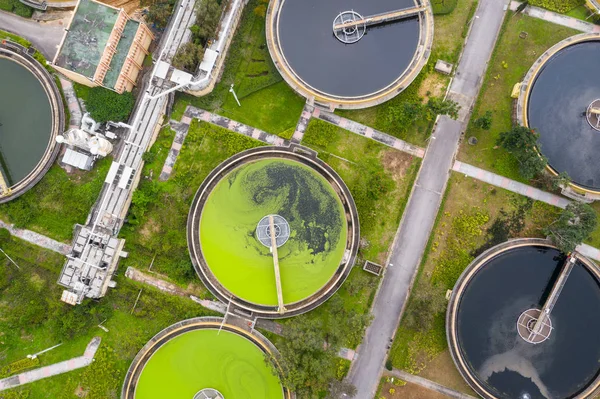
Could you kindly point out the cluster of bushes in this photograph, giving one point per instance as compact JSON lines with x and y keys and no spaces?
{"x":561,"y":6}
{"x":189,"y":56}
{"x":159,"y":12}
{"x":15,"y":6}
{"x":442,"y":7}
{"x":106,"y":105}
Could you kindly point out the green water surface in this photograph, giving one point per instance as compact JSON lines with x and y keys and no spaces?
{"x":305,"y":199}
{"x":206,"y":358}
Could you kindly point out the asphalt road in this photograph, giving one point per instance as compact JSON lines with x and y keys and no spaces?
{"x":421,"y":211}
{"x":45,"y":36}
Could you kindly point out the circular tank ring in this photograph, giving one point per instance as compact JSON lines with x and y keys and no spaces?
{"x":419,"y":60}
{"x":209,"y":393}
{"x":137,"y":365}
{"x":308,"y":158}
{"x":20,"y":55}
{"x":457,"y":292}
{"x":527,"y":84}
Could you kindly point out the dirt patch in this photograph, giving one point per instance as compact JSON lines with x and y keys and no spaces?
{"x":397,"y":163}
{"x":408,"y":391}
{"x":130,"y":6}
{"x":150,"y":228}
{"x":433,"y":85}
{"x":443,"y":371}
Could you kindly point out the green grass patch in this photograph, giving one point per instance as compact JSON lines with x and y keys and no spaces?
{"x":510,"y":61}
{"x":16,"y":7}
{"x":442,"y":7}
{"x":58,"y":201}
{"x":157,"y":219}
{"x":581,"y":12}
{"x":34,"y":319}
{"x":473,"y":217}
{"x":14,"y":38}
{"x":268,"y":103}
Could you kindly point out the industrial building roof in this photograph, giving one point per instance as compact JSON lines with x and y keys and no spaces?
{"x":87,"y":37}
{"x":118,"y":58}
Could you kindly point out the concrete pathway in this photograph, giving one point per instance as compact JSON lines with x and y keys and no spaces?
{"x":303,"y":123}
{"x":53,"y":369}
{"x":434,"y":386}
{"x":181,"y":131}
{"x":249,"y":131}
{"x":72,"y":102}
{"x":423,"y":204}
{"x":555,"y":18}
{"x":37,"y":239}
{"x":511,"y":185}
{"x":45,"y":36}
{"x":368,"y":132}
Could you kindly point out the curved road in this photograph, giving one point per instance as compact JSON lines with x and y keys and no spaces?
{"x":45,"y":36}
{"x":423,"y":204}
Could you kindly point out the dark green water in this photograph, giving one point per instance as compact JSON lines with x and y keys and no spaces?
{"x":25,"y":121}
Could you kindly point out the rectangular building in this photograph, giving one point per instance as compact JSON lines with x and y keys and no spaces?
{"x":103,"y":46}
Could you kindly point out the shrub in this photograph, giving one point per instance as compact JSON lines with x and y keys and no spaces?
{"x":105,"y":105}
{"x":22,"y":10}
{"x":4,"y":235}
{"x":485,"y":121}
{"x":441,"y":7}
{"x":561,"y":6}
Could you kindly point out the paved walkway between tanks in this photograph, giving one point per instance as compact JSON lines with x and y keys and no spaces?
{"x":555,"y":18}
{"x":53,"y":369}
{"x":368,"y":132}
{"x":72,"y":102}
{"x":37,"y":239}
{"x":511,"y":185}
{"x":423,"y":204}
{"x":307,"y":113}
{"x":434,"y":386}
{"x":44,"y":36}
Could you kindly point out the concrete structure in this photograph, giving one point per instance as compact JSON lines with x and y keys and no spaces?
{"x":24,"y":57}
{"x":466,"y":277}
{"x":96,"y":248}
{"x":215,"y":323}
{"x":313,"y":95}
{"x":103,"y":46}
{"x":308,"y":158}
{"x":574,"y":190}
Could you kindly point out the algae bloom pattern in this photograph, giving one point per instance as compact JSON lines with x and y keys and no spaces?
{"x":296,"y":192}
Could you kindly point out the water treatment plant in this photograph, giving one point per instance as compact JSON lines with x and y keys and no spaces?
{"x":522,"y":323}
{"x":31,"y":116}
{"x":274,"y":231}
{"x":349,"y":54}
{"x":204,"y":358}
{"x":560,"y":102}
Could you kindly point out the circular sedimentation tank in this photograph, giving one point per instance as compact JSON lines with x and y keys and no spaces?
{"x":201,"y":358}
{"x":493,"y":311}
{"x":560,"y":99}
{"x":315,"y":223}
{"x":358,"y":67}
{"x":31,"y":116}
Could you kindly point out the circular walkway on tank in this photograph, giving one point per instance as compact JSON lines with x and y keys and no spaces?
{"x":204,"y":355}
{"x":31,"y":116}
{"x":319,"y":66}
{"x":321,"y":223}
{"x":554,"y":99}
{"x":483,"y":329}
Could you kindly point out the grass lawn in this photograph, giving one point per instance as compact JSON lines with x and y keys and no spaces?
{"x":447,"y":45}
{"x":156,"y":227}
{"x":268,"y":103}
{"x":580,"y":12}
{"x":58,"y":201}
{"x":460,"y":233}
{"x":510,"y":61}
{"x":34,"y":319}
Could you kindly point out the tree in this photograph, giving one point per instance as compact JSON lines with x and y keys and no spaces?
{"x":485,"y":121}
{"x":573,"y":226}
{"x":159,"y":12}
{"x":439,"y":106}
{"x":306,"y":361}
{"x":560,"y":180}
{"x":106,"y":105}
{"x":521,"y":142}
{"x":188,"y":57}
